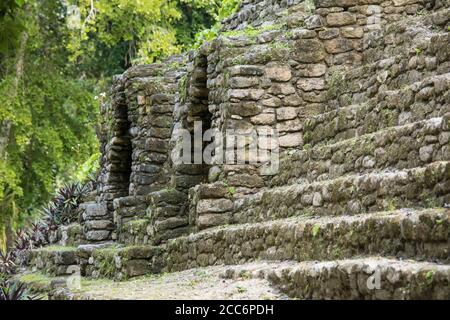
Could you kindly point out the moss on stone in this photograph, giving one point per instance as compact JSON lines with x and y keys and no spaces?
{"x":251,"y":31}
{"x":136,"y":226}
{"x":36,"y":279}
{"x":58,"y":248}
{"x":183,"y":90}
{"x":105,"y":262}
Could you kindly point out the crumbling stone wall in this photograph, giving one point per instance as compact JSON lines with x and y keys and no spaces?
{"x":113,"y":180}
{"x":293,"y":69}
{"x":255,"y":13}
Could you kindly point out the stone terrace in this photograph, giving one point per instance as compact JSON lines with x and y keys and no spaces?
{"x":358,"y":92}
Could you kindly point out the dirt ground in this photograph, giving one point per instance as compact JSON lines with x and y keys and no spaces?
{"x":195,"y":284}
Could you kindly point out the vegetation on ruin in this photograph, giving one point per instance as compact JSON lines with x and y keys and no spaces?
{"x":56,"y":62}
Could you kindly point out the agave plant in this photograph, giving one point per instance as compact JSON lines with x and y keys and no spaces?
{"x":23,"y":241}
{"x":15,"y":291}
{"x":64,"y":207}
{"x":23,"y":244}
{"x":51,"y":216}
{"x":7,"y":263}
{"x":39,"y":233}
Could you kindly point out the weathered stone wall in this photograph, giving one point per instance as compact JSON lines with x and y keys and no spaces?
{"x":356,"y":97}
{"x":151,"y":93}
{"x":420,"y":235}
{"x":305,"y":66}
{"x":255,"y":13}
{"x":316,"y":75}
{"x":115,"y":162}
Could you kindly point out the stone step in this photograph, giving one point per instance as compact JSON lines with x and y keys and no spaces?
{"x":134,"y":232}
{"x":54,"y":260}
{"x":425,"y":99}
{"x":391,"y":62}
{"x":362,"y":278}
{"x":194,"y":284}
{"x":407,"y":233}
{"x":422,"y":30}
{"x":68,"y":235}
{"x":359,"y":278}
{"x":402,"y":147}
{"x":104,"y":260}
{"x":120,"y":262}
{"x":418,"y":234}
{"x":97,"y":221}
{"x":427,"y":186}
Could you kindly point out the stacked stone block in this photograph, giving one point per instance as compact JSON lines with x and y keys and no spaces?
{"x":355,"y":94}
{"x":151,"y":97}
{"x":113,"y":180}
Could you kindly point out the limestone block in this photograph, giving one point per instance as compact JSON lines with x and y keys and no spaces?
{"x":246,"y":70}
{"x":243,"y":82}
{"x":97,"y":235}
{"x":211,"y":220}
{"x":309,"y":84}
{"x":134,"y":268}
{"x":244,"y":108}
{"x":170,"y":223}
{"x":278,"y":72}
{"x":250,"y":94}
{"x":313,"y":70}
{"x":329,"y":33}
{"x":286,"y":113}
{"x":291,"y":140}
{"x":281,"y":89}
{"x":94,"y":210}
{"x":289,"y":125}
{"x":338,"y":19}
{"x":271,"y":102}
{"x":214,"y":205}
{"x":246,"y":180}
{"x":314,"y":22}
{"x":99,"y":225}
{"x":352,"y":32}
{"x":293,"y":100}
{"x":308,"y":51}
{"x":168,"y":196}
{"x":263,"y":119}
{"x":339,"y":45}
{"x":215,"y":190}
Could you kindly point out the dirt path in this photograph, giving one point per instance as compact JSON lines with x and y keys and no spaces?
{"x":195,"y":284}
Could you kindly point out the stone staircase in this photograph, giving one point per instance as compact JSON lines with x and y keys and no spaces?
{"x":359,"y":208}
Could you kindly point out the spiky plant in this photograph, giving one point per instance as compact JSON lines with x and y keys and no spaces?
{"x":39,"y":233}
{"x":64,"y":207}
{"x":10,"y":290}
{"x":7,"y":263}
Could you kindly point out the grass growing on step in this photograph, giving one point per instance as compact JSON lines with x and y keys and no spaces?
{"x":105,"y":261}
{"x":310,"y":6}
{"x":136,"y":226}
{"x":241,"y":289}
{"x":315,"y":230}
{"x":429,"y":277}
{"x":251,"y":31}
{"x":58,"y":248}
{"x":36,"y":279}
{"x":432,"y":203}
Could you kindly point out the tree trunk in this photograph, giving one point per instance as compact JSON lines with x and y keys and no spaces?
{"x":6,"y":127}
{"x":9,"y":233}
{"x":6,"y":124}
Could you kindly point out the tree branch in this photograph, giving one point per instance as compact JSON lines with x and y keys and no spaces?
{"x":89,"y":16}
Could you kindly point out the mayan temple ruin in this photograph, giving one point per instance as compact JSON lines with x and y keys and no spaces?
{"x":347,"y":196}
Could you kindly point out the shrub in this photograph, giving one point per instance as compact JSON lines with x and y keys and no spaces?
{"x":10,"y":290}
